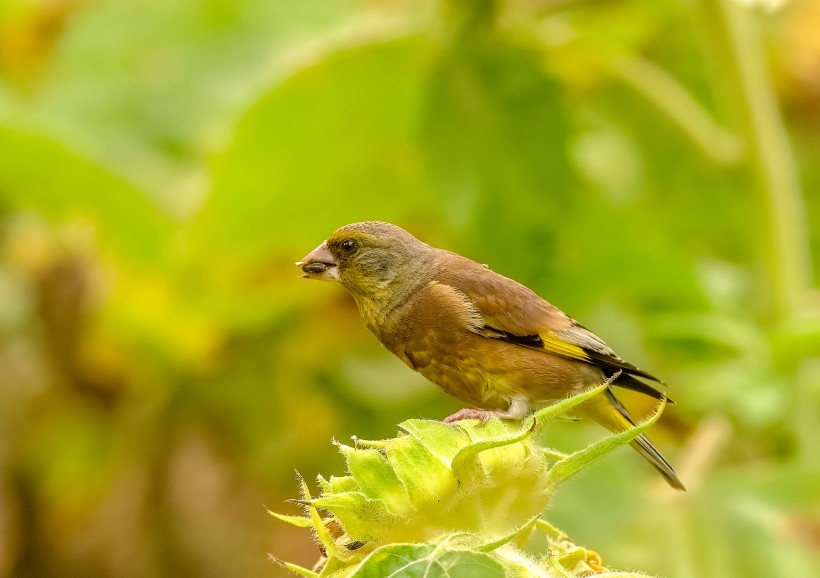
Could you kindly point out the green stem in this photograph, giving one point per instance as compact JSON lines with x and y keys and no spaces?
{"x":666,"y":94}
{"x":783,"y":233}
{"x":785,"y":247}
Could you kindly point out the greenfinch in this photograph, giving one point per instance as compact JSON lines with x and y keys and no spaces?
{"x":487,"y":340}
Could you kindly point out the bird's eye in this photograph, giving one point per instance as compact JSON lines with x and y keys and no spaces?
{"x":349,"y":245}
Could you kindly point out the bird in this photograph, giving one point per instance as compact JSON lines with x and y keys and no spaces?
{"x":483,"y":338}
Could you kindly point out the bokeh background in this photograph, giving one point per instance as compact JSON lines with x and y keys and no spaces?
{"x":653,"y":168}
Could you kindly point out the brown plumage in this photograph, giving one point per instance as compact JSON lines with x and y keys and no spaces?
{"x":483,"y":338}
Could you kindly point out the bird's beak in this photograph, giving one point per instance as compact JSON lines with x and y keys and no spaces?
{"x":319,"y":264}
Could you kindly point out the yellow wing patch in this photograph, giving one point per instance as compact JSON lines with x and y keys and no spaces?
{"x":560,"y":347}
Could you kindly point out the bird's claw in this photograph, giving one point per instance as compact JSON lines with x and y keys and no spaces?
{"x":482,"y":415}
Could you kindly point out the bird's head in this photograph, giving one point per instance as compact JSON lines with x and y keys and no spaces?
{"x":369,"y":259}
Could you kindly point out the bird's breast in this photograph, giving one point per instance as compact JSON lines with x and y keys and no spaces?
{"x":434,"y":333}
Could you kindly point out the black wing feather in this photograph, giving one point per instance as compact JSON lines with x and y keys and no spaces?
{"x":604,"y":361}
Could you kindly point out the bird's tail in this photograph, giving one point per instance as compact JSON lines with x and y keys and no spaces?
{"x":610,"y":413}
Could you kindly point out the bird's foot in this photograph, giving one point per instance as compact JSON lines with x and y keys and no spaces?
{"x":482,"y":415}
{"x":519,"y":408}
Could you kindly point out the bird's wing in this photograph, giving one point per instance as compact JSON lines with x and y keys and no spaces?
{"x":514,"y":313}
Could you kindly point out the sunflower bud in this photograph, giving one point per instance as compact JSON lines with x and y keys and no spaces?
{"x":457,"y":496}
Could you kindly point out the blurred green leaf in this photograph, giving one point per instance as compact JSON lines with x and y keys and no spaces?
{"x":268,"y":188}
{"x":45,"y":176}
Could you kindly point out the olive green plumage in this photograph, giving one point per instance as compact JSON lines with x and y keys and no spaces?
{"x":482,"y":337}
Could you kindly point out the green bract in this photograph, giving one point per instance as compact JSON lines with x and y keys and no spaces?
{"x":451,"y":500}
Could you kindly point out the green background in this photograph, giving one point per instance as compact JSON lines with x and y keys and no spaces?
{"x":652,"y":168}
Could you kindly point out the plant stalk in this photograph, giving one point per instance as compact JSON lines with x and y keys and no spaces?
{"x":785,"y":252}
